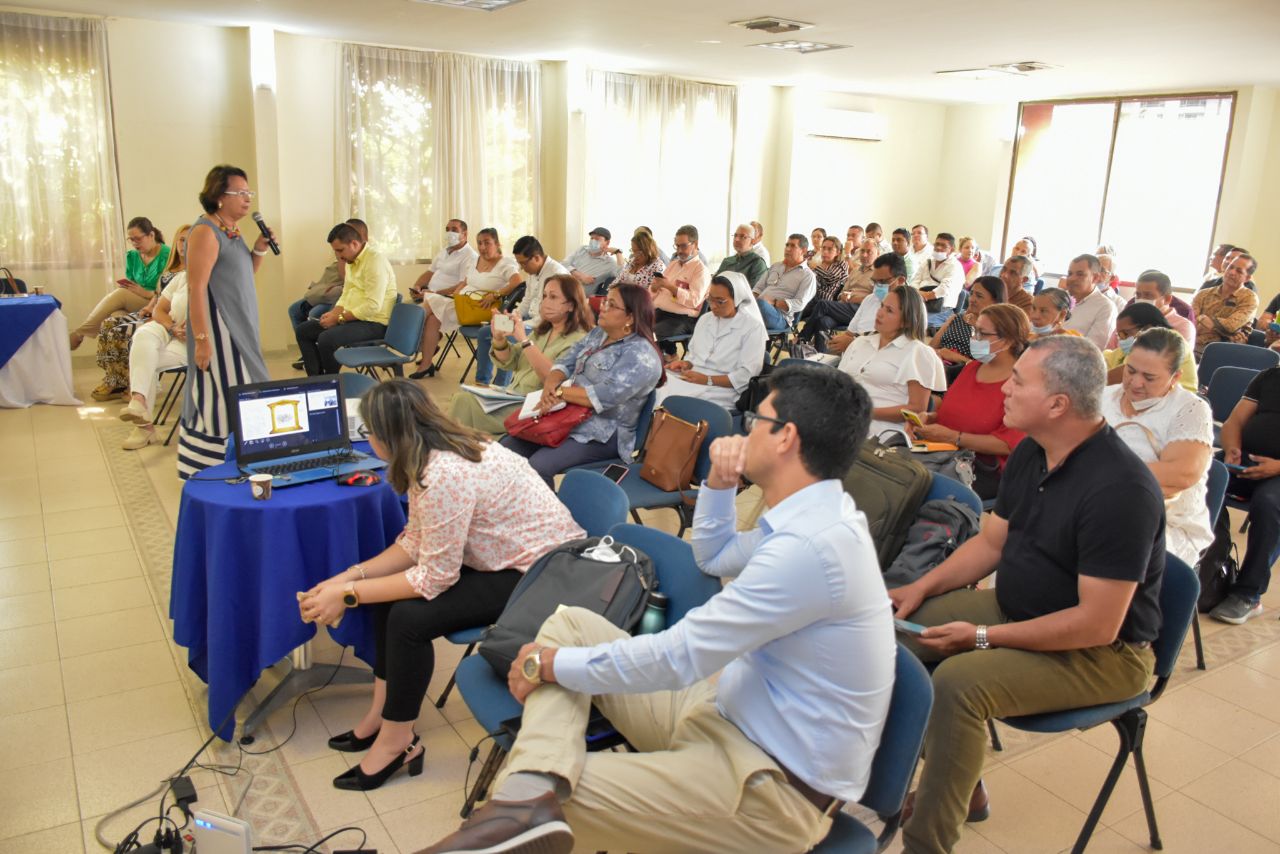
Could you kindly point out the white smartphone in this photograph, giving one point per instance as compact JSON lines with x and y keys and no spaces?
{"x":615,"y":472}
{"x":504,"y":324}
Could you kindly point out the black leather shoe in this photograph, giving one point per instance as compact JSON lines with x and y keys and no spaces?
{"x":356,"y":780}
{"x":428,"y":371}
{"x":348,"y":742}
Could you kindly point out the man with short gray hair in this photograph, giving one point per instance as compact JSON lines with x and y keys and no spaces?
{"x":1094,"y":315}
{"x":744,"y":260}
{"x":1076,"y":543}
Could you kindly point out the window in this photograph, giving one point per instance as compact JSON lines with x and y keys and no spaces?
{"x":659,"y":152}
{"x":1141,"y":174}
{"x":408,"y":174}
{"x":59,"y":199}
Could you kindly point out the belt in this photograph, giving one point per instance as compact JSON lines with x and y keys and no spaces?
{"x":825,"y":804}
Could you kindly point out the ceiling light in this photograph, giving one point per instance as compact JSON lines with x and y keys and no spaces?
{"x":479,"y":5}
{"x":800,"y":46}
{"x":998,"y":72}
{"x":771,"y":24}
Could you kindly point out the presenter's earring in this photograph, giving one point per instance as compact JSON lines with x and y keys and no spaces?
{"x":219,"y":205}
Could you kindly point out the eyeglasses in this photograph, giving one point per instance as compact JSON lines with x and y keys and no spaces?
{"x":608,"y":304}
{"x":978,"y":333}
{"x":244,"y":194}
{"x":749,"y":420}
{"x":680,"y":247}
{"x":718,"y":301}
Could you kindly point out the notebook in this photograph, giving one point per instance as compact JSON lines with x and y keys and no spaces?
{"x":296,"y":430}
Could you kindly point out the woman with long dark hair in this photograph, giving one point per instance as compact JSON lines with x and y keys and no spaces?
{"x":611,"y":371}
{"x":143,"y":265}
{"x":478,"y":519}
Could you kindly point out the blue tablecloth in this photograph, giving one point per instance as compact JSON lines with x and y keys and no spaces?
{"x":238,"y":565}
{"x":19,"y":318}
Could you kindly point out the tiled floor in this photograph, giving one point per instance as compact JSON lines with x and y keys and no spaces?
{"x":96,"y":706}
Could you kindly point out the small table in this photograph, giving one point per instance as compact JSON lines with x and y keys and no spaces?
{"x":35,"y":353}
{"x":238,"y":565}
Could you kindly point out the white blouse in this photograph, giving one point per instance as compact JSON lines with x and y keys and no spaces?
{"x":885,"y":371}
{"x":1180,"y":416}
{"x":732,"y":347}
{"x":494,"y":280}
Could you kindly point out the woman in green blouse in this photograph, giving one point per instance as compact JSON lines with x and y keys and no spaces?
{"x":565,"y":319}
{"x":143,"y":265}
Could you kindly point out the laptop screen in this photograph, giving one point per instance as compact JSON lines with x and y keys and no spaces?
{"x":284,"y":418}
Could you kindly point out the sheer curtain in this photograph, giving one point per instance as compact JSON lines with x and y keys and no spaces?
{"x":659,"y":152}
{"x":427,"y":137}
{"x":59,"y":198}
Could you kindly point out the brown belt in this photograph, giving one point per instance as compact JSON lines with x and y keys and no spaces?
{"x":826,"y":804}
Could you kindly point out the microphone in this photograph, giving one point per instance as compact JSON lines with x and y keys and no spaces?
{"x":262,"y":226}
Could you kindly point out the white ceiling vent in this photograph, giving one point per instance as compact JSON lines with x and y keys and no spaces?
{"x":772,"y":25}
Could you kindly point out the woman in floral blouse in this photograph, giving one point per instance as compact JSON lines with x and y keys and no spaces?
{"x":479,"y":517}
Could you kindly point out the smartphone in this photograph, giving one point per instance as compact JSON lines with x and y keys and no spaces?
{"x":908,"y":415}
{"x":1235,"y":468}
{"x":615,"y":472}
{"x":908,"y":628}
{"x":658,"y":275}
{"x":504,"y":324}
{"x":1274,"y":327}
{"x":124,"y":283}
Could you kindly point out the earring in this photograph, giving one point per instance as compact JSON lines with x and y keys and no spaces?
{"x":219,"y":205}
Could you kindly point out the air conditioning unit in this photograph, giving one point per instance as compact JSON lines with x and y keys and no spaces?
{"x":772,"y":25}
{"x":846,"y":124}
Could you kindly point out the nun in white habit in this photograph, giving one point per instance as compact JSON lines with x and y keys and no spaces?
{"x":727,"y":348}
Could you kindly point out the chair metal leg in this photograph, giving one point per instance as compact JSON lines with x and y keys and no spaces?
{"x":995,"y":736}
{"x":172,"y":430}
{"x":488,"y":772}
{"x":1195,"y":633}
{"x":635,"y":514}
{"x":1140,"y":765}
{"x":1130,"y":726}
{"x":444,"y":695}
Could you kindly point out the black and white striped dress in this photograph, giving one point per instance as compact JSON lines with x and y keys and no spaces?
{"x":237,"y":356}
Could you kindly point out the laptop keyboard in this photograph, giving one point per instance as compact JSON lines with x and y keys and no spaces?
{"x":331,"y":461}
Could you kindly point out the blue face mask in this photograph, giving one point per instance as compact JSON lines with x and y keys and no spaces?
{"x":1042,"y":330}
{"x":881,"y":291}
{"x":980,"y":349}
{"x":595,"y":245}
{"x":1126,"y":344}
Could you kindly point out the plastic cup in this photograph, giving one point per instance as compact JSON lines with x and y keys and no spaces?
{"x":260,"y":486}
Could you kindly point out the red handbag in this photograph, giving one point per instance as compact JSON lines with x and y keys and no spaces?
{"x":550,"y":429}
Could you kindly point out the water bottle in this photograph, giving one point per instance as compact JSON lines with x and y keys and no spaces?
{"x":654,"y":618}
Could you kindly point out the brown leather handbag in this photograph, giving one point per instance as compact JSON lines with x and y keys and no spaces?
{"x":671,"y":451}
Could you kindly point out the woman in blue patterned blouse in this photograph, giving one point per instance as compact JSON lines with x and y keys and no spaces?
{"x":612,"y":371}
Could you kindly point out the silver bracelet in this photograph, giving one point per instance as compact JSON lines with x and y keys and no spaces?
{"x":259,"y":254}
{"x":360,"y":569}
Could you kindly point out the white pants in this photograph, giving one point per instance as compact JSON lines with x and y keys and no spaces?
{"x":152,"y":349}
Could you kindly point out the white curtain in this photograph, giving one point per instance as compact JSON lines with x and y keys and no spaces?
{"x":59,"y":198}
{"x":659,"y":152}
{"x":427,"y":137}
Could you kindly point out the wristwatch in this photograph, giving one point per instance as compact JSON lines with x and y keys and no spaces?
{"x":560,"y":392}
{"x":526,"y":344}
{"x":350,"y":598}
{"x":980,"y":640}
{"x":531,"y":667}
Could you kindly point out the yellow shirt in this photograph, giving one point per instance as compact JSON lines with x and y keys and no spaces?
{"x":1115,"y":358}
{"x":369,"y":291}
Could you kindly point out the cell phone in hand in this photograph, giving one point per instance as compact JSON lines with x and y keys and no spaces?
{"x":615,"y":472}
{"x":908,"y":628}
{"x":124,"y":283}
{"x":504,"y":324}
{"x":908,"y":415}
{"x":1274,"y":327}
{"x":1234,"y":467}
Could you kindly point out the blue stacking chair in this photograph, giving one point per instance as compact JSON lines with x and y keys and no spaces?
{"x":487,"y":695}
{"x":397,"y":347}
{"x":893,"y":766}
{"x":1178,"y":595}
{"x":643,"y":495}
{"x":355,"y":385}
{"x":942,"y":486}
{"x":596,"y":504}
{"x":1224,"y":353}
{"x":1226,"y":387}
{"x":1215,"y":497}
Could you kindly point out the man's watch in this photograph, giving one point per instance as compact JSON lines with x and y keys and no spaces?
{"x":980,"y":639}
{"x":531,"y":667}
{"x":350,"y":598}
{"x":709,"y":380}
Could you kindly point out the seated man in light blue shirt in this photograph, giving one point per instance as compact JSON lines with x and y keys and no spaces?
{"x":761,"y":760}
{"x":593,"y":265}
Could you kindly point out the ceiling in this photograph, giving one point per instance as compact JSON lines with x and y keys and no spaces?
{"x":1100,"y":46}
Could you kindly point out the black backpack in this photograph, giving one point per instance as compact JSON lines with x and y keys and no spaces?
{"x":888,"y":487}
{"x":940,"y":528}
{"x":570,"y":576}
{"x":1218,"y":566}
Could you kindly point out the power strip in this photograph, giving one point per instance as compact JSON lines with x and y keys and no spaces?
{"x":215,"y":833}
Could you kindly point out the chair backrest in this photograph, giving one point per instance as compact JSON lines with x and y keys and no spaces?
{"x":1216,"y":491}
{"x":1219,"y":353}
{"x":355,"y":385}
{"x":946,"y":487}
{"x":404,"y":332}
{"x":685,"y":586}
{"x":595,"y":502}
{"x":229,"y":454}
{"x":900,"y":743}
{"x":645,"y":419}
{"x":1178,"y":594}
{"x":693,"y":410}
{"x":1227,"y":385}
{"x":790,"y":361}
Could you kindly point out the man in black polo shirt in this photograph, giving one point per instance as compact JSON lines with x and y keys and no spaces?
{"x":1077,"y":546}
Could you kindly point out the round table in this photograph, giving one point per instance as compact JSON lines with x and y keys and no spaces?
{"x":238,"y":565}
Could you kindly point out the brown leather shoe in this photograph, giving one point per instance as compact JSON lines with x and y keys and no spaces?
{"x":979,"y":805}
{"x":535,"y":826}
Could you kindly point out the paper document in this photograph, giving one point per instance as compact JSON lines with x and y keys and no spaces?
{"x":531,"y":401}
{"x":493,"y":399}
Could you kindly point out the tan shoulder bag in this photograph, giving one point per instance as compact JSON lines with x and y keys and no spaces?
{"x":671,"y":451}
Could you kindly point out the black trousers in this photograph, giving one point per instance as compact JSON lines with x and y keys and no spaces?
{"x":667,"y":324}
{"x":405,"y":629}
{"x":319,"y":344}
{"x":824,"y":316}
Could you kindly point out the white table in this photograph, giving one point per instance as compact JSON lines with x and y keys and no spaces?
{"x":40,"y":370}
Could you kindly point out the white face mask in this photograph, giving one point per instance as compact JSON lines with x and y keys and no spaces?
{"x":1042,"y":330}
{"x":940,"y":256}
{"x":1144,"y":405}
{"x":1136,"y":301}
{"x":452,"y":238}
{"x":595,"y":245}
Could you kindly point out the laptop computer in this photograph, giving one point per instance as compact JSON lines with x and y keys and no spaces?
{"x":295,"y":429}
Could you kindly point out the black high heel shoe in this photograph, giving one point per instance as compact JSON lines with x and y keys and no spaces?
{"x":356,"y":780}
{"x":428,"y":371}
{"x":349,"y":742}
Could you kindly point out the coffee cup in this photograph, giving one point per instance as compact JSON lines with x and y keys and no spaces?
{"x":38,"y":290}
{"x":260,"y":486}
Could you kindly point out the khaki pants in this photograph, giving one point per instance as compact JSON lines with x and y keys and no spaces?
{"x":119,"y":301}
{"x":697,"y":784}
{"x":973,"y":686}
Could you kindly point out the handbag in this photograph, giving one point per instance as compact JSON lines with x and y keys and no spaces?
{"x":471,"y":310}
{"x":888,"y":486}
{"x":1218,"y":566}
{"x":11,"y":285}
{"x":671,"y":450}
{"x":550,"y":429}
